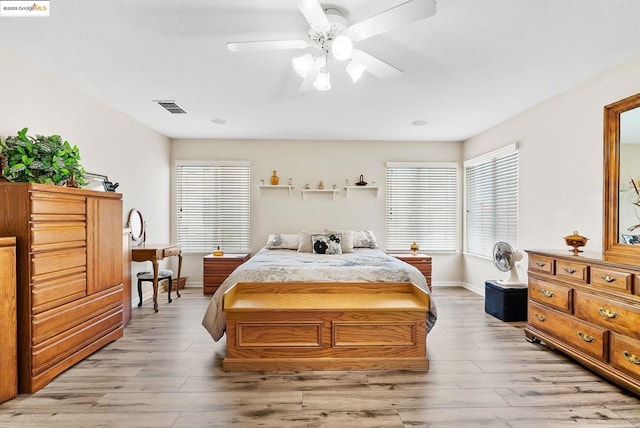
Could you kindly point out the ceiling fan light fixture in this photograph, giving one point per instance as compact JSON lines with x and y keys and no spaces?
{"x":342,"y":48}
{"x":302,"y":64}
{"x":323,"y":81}
{"x":355,"y":70}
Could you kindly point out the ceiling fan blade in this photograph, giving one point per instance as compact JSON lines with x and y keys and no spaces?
{"x":405,"y":13}
{"x":267,"y":45}
{"x":375,"y":66}
{"x":314,"y":14}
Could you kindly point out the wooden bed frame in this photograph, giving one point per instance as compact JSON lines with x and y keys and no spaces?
{"x":323,"y":326}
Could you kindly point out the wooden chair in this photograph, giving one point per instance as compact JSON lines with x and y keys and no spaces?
{"x":163,"y":275}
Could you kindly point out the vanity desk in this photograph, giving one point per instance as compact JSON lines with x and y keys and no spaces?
{"x":154,"y":253}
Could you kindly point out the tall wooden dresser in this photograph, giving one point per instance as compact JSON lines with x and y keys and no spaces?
{"x":69,"y":275}
{"x":588,"y":308}
{"x":8,"y":323}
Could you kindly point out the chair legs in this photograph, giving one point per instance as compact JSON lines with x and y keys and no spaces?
{"x":168,"y":278}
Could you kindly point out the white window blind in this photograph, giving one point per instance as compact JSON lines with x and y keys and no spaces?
{"x":213,"y":204}
{"x":491,"y":201}
{"x":422,"y":206}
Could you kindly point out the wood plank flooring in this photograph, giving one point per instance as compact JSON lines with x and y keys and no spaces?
{"x":166,"y":372}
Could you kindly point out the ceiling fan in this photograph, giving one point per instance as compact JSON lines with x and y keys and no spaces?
{"x":332,"y":38}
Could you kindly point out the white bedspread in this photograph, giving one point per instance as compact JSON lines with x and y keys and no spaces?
{"x":363,"y":265}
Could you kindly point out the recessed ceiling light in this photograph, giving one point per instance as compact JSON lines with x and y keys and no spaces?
{"x":419,"y":122}
{"x":218,"y":121}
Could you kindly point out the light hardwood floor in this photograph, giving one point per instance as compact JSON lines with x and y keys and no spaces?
{"x":166,"y":372}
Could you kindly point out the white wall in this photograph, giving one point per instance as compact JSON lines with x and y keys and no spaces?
{"x":110,"y":142}
{"x":309,"y":162}
{"x":561,"y":171}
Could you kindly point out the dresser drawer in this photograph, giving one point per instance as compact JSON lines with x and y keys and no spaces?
{"x":625,"y":354}
{"x":57,"y":235}
{"x":613,"y":279}
{"x":550,"y":294}
{"x":58,"y":291}
{"x":578,"y":272}
{"x":541,"y":264}
{"x":45,"y":266}
{"x":589,"y":338}
{"x":58,"y":204}
{"x":173,"y":251}
{"x":616,"y":316}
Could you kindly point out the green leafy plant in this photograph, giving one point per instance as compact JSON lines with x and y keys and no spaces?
{"x":41,"y":159}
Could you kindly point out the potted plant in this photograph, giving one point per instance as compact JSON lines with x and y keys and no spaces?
{"x":43,"y":159}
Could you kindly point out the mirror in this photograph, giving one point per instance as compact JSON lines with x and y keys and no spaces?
{"x":137,"y":226}
{"x":622,"y":181}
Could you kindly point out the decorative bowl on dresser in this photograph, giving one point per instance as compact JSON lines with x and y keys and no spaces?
{"x":588,"y":308}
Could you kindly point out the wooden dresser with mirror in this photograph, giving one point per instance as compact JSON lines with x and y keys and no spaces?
{"x":587,"y":305}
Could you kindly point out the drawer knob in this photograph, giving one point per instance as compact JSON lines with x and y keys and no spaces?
{"x":570,"y":271}
{"x":607,"y":313}
{"x":540,"y":264}
{"x":608,"y":278}
{"x":539,"y":317}
{"x":586,"y":337}
{"x":546,"y":293}
{"x":631,"y":358}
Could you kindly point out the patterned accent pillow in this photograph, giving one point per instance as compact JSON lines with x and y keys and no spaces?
{"x":347,"y":239}
{"x":326,"y":244}
{"x":364,"y":239}
{"x":283,"y":241}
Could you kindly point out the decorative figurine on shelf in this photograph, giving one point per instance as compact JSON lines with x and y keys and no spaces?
{"x":306,"y":186}
{"x":575,"y":241}
{"x":274,"y":178}
{"x":361,"y":182}
{"x":321,"y":185}
{"x":346,"y":182}
{"x":218,"y":252}
{"x":414,"y":248}
{"x":261,"y":182}
{"x":290,"y":182}
{"x":334,"y":187}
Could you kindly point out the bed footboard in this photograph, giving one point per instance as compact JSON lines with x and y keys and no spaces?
{"x":325,"y":326}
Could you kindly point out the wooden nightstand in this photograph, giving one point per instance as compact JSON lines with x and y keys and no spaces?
{"x":215,"y":269}
{"x":420,"y":261}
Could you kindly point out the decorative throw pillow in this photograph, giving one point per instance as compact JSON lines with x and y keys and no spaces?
{"x":326,"y":244}
{"x":347,"y":239}
{"x":364,"y":239}
{"x":283,"y":241}
{"x":305,"y":245}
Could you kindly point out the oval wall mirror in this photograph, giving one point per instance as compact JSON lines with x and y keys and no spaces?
{"x":135,"y":222}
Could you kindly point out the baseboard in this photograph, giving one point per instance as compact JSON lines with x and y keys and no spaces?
{"x":478,"y":289}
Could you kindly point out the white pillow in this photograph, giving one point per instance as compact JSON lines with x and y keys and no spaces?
{"x":283,"y":241}
{"x":346,"y":243}
{"x":306,"y":246}
{"x":364,"y":239}
{"x":326,"y":244}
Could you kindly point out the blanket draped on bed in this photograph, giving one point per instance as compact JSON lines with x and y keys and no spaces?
{"x":363,"y":265}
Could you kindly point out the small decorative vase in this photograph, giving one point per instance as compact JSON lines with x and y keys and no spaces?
{"x":414,"y":248}
{"x":321,"y":185}
{"x":274,"y":178}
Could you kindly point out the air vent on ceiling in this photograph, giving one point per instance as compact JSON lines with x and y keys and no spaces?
{"x":171,"y":106}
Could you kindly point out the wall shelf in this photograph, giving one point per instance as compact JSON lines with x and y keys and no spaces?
{"x":332,"y":191}
{"x":275,"y":187}
{"x":370,"y":188}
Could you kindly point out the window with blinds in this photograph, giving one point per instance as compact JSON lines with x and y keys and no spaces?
{"x":422,"y":206}
{"x":213,"y":206}
{"x":491,"y":201}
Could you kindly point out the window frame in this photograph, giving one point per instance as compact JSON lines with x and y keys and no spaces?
{"x":245,"y":240}
{"x":455,"y":199}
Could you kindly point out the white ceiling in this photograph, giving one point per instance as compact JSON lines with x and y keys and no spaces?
{"x":469,"y":67}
